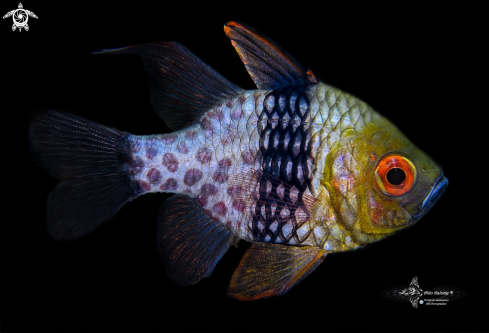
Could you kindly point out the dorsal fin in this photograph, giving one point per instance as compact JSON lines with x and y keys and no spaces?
{"x":268,"y":64}
{"x":182,"y":86}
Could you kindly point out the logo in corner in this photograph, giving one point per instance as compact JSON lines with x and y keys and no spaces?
{"x":20,"y":17}
{"x":413,"y":292}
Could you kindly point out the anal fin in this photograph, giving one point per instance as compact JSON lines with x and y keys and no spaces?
{"x":190,"y":242}
{"x":270,"y":269}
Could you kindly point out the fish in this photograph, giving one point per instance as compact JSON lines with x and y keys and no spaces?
{"x":298,"y":168}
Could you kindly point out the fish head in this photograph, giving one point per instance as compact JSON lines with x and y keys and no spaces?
{"x":379,"y":182}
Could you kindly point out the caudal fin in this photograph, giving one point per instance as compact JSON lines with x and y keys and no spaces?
{"x":91,"y":161}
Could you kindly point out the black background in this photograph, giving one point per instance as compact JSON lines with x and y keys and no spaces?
{"x":408,"y":63}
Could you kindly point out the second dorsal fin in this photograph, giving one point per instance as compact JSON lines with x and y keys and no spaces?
{"x":268,"y":64}
{"x":182,"y":86}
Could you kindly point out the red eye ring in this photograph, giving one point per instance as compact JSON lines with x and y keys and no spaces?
{"x":388,"y":163}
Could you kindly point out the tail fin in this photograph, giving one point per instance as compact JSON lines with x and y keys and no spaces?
{"x":91,"y":161}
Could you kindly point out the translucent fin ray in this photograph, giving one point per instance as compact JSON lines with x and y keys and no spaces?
{"x":270,"y":269}
{"x":190,"y":242}
{"x":91,"y":162}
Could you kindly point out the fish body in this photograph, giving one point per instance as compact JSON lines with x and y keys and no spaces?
{"x":219,"y":160}
{"x":297,"y":167}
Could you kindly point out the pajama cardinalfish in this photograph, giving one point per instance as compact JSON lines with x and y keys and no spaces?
{"x":297,"y":167}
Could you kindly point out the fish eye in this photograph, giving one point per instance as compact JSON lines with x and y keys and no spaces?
{"x":395,"y":175}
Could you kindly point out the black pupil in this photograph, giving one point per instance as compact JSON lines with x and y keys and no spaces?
{"x":396,"y":176}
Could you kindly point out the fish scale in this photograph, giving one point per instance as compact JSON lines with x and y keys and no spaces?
{"x":297,"y":167}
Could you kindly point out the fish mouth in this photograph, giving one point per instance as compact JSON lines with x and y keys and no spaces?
{"x":436,"y":192}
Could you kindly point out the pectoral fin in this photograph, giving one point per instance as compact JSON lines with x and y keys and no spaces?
{"x":270,"y":269}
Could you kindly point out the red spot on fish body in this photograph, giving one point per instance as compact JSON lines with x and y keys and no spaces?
{"x":248,"y":157}
{"x":220,"y":208}
{"x":229,"y":134}
{"x":220,"y":177}
{"x":203,"y":201}
{"x":191,"y":135}
{"x":241,"y":99}
{"x":235,"y":190}
{"x":192,"y":176}
{"x":135,"y":144}
{"x":151,"y":148}
{"x":207,"y":128}
{"x":216,"y":115}
{"x":154,"y":176}
{"x":211,"y":215}
{"x":182,"y":147}
{"x":208,"y":189}
{"x":229,"y":224}
{"x":204,"y":155}
{"x":170,"y":162}
{"x":221,"y":174}
{"x":236,"y":114}
{"x":236,"y":110}
{"x":229,"y":104}
{"x":169,"y":185}
{"x":225,"y":140}
{"x":150,"y":153}
{"x":239,"y":205}
{"x":143,"y":186}
{"x":136,"y":166}
{"x":169,"y":139}
{"x":225,"y":162}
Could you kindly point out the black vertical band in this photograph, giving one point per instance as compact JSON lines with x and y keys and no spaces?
{"x":285,"y":148}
